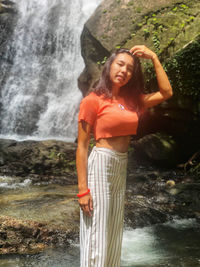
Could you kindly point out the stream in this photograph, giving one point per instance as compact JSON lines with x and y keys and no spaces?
{"x":172,"y":244}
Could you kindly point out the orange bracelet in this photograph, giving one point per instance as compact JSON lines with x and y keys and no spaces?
{"x":84,"y":194}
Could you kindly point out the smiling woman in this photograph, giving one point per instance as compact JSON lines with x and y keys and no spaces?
{"x":121,"y":70}
{"x":111,"y":113}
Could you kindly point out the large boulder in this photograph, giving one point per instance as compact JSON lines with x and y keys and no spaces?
{"x":160,"y":148}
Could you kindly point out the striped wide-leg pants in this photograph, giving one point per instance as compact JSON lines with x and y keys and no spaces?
{"x":101,"y":234}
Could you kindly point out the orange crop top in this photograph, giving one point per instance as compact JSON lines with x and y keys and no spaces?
{"x":108,"y":117}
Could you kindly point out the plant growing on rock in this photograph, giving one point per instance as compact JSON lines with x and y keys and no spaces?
{"x":102,"y":62}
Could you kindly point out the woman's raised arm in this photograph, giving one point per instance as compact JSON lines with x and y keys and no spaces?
{"x":165,"y":89}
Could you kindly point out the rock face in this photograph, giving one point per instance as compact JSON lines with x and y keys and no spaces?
{"x":171,"y":29}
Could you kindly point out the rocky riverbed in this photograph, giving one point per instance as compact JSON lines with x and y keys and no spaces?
{"x":38,"y":188}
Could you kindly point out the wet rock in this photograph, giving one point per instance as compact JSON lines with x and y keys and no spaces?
{"x":41,"y":161}
{"x":160,"y":148}
{"x":19,"y":236}
{"x":35,"y":217}
{"x":3,"y":235}
{"x":151,"y":200}
{"x":170,"y":183}
{"x":138,"y":215}
{"x":7,"y":7}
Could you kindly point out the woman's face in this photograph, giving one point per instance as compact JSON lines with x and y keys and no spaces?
{"x":121,"y":69}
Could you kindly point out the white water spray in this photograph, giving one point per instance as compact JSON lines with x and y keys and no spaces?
{"x":40,"y":98}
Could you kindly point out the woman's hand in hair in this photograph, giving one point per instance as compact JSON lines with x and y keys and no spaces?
{"x":142,"y":51}
{"x":165,"y":89}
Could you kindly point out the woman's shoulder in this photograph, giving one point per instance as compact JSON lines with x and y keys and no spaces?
{"x":91,"y":101}
{"x":92,"y":96}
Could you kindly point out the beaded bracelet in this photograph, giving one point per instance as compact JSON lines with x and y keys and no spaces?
{"x":84,"y":194}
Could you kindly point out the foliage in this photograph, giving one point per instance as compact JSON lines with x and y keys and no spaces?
{"x":184,"y":70}
{"x":195,"y":170}
{"x":102,"y":62}
{"x":156,"y":41}
{"x":146,"y":33}
{"x":130,"y":3}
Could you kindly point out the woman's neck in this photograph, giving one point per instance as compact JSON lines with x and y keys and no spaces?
{"x":115,"y":92}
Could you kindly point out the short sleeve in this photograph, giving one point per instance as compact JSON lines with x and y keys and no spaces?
{"x":89,"y":108}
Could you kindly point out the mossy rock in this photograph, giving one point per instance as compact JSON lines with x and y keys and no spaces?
{"x":160,"y":148}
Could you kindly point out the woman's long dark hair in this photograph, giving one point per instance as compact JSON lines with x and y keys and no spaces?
{"x":132,"y":90}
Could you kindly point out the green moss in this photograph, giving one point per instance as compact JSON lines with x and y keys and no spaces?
{"x":184,"y":70}
{"x":115,"y":18}
{"x":139,"y":25}
{"x":183,"y":6}
{"x":104,"y":36}
{"x":138,"y":9}
{"x":72,"y":163}
{"x":52,"y":154}
{"x":146,"y":33}
{"x":130,"y":3}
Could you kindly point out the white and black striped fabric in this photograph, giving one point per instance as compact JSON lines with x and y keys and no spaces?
{"x":101,"y":234}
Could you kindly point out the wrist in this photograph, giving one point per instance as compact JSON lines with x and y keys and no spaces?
{"x":82,"y":186}
{"x":82,"y":189}
{"x":84,"y":193}
{"x":154,"y":57}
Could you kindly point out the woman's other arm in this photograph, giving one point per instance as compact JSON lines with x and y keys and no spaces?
{"x":165,"y":89}
{"x":84,"y":130}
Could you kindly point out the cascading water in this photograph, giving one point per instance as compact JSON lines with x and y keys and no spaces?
{"x":40,"y":96}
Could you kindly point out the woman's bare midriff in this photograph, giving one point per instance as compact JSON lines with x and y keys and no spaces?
{"x":118,"y":143}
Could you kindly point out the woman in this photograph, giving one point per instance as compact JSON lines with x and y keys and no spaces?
{"x":111,"y":113}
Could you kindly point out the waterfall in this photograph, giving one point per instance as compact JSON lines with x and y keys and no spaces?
{"x":40,"y":96}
